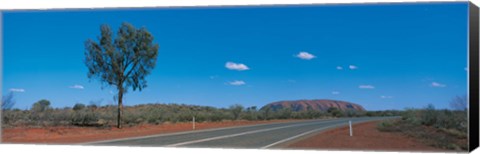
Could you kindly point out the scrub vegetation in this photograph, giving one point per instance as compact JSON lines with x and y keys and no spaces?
{"x":41,"y":114}
{"x":447,"y":129}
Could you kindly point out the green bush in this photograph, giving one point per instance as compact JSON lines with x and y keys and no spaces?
{"x":439,"y":128}
{"x":78,"y":106}
{"x":429,"y":115}
{"x":387,"y":125}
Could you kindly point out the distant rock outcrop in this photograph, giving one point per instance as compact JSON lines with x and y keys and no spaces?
{"x":318,"y":104}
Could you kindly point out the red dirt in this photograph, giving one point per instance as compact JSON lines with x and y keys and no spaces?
{"x":70,"y":135}
{"x":365,"y":137}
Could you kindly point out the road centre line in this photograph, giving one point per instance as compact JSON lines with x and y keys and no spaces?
{"x":300,"y":135}
{"x":178,"y":133}
{"x":309,"y":132}
{"x":190,"y":132}
{"x":244,"y":133}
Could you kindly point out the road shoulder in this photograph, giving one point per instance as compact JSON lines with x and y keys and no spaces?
{"x":365,"y":137}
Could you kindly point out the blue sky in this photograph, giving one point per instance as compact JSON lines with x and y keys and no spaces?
{"x":382,"y":56}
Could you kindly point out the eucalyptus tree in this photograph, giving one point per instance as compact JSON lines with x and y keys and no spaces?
{"x":122,"y":60}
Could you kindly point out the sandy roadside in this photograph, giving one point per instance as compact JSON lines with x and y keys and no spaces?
{"x":365,"y":138}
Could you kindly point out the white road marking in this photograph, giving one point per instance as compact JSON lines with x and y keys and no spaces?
{"x":233,"y":135}
{"x":312,"y":131}
{"x":300,"y":135}
{"x":239,"y":134}
{"x":179,"y":133}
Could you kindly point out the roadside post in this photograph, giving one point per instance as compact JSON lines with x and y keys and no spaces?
{"x":193,"y":122}
{"x":350,"y":123}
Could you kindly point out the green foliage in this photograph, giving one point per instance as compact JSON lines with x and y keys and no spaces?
{"x":380,"y":113}
{"x":123,"y":61}
{"x":251,"y":113}
{"x":93,"y":115}
{"x":350,"y":113}
{"x":412,"y":116}
{"x":92,"y":106}
{"x":83,"y":116}
{"x":284,"y":113}
{"x":78,"y":106}
{"x":333,"y":111}
{"x":429,"y":115}
{"x":440,"y":128}
{"x":266,"y":112}
{"x":236,"y":111}
{"x":40,"y":113}
{"x":41,"y":106}
{"x":386,"y":125}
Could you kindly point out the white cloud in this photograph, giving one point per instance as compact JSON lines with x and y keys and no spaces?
{"x":436,"y":84}
{"x":305,"y":55}
{"x":339,"y":68}
{"x":236,"y":66}
{"x":366,"y":87}
{"x":20,"y":90}
{"x":335,"y":92}
{"x":237,"y":83}
{"x":352,"y":67}
{"x":386,"y":97}
{"x":77,"y":87}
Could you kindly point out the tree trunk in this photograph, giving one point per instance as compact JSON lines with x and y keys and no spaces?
{"x":120,"y":108}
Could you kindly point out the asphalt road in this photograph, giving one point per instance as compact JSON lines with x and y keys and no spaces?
{"x":255,"y":137}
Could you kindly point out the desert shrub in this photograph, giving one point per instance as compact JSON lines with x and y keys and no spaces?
{"x":335,"y":112}
{"x":265,"y":112}
{"x":443,"y":119}
{"x":312,"y":114}
{"x":380,"y":113}
{"x":411,"y":116}
{"x":222,"y":114}
{"x":429,"y":115}
{"x":236,"y":111}
{"x":284,"y":113}
{"x":84,"y":117}
{"x":201,"y":117}
{"x":133,"y":117}
{"x":445,"y":129}
{"x":251,"y":113}
{"x":41,"y":106}
{"x":461,"y":120}
{"x":92,"y":106}
{"x":78,"y":106}
{"x":60,"y":117}
{"x":153,"y":115}
{"x":386,"y":125}
{"x":350,"y":113}
{"x":9,"y":117}
{"x":41,"y":114}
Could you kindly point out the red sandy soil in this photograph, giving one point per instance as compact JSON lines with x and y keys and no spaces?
{"x":366,"y":136}
{"x":71,"y":135}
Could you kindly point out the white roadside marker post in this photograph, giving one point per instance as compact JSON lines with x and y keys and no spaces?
{"x":350,"y":123}
{"x":193,"y":122}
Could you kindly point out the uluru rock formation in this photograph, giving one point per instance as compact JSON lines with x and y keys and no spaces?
{"x":317,"y":104}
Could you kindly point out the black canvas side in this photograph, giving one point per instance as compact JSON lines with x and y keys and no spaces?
{"x":473,"y":76}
